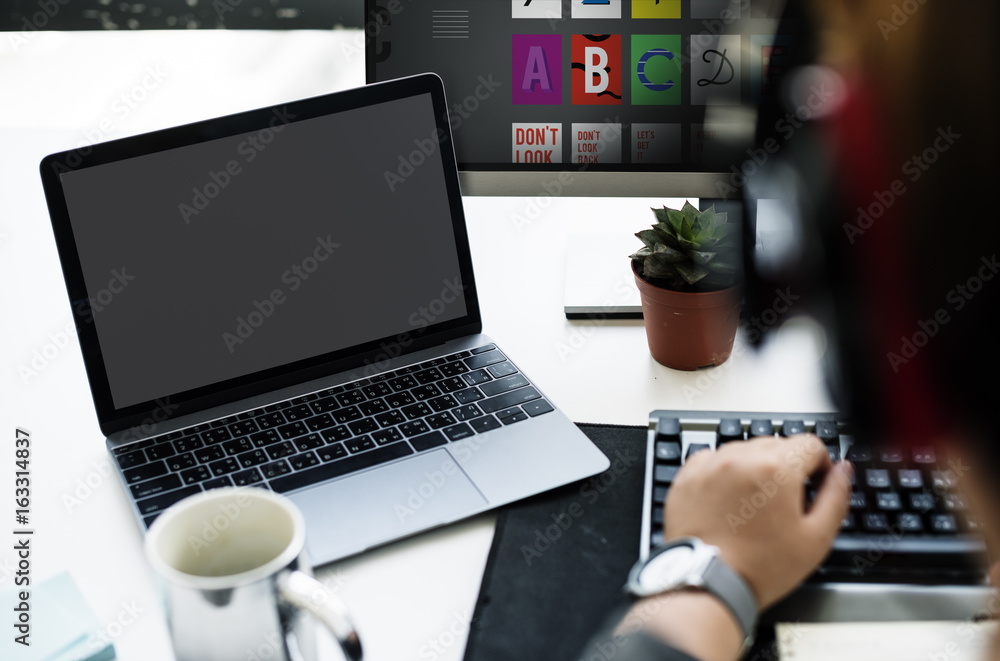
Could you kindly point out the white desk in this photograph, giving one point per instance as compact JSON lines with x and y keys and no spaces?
{"x":59,"y":89}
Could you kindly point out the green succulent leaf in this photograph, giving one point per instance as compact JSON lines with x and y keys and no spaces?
{"x":700,"y":257}
{"x":649,"y":237}
{"x":707,"y":220}
{"x":661,"y":214}
{"x":688,"y":245}
{"x":690,"y":211}
{"x":724,"y":265}
{"x":641,"y":254}
{"x":722,"y":217}
{"x":676,"y":219}
{"x":692,"y":273}
{"x":725,"y":231}
{"x":670,"y":254}
{"x":657,"y":266}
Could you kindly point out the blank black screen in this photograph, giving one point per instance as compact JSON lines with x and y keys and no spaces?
{"x":220,"y":259}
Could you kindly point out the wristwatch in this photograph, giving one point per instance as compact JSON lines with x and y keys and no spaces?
{"x":688,"y":562}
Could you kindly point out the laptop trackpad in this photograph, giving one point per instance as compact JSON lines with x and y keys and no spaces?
{"x":384,"y":503}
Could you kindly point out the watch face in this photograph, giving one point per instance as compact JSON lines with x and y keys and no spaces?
{"x":667,"y":570}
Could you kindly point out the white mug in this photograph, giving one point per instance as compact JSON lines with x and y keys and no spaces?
{"x":237,"y":580}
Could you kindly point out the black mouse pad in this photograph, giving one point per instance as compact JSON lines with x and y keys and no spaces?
{"x":559,"y":559}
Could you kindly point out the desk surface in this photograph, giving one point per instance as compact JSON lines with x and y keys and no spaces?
{"x":412,"y":599}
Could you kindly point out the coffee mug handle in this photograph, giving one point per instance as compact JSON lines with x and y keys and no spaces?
{"x":306,"y":593}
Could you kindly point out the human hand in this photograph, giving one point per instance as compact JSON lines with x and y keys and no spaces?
{"x":748,"y":499}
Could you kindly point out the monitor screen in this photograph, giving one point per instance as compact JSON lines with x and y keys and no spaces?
{"x":589,"y":97}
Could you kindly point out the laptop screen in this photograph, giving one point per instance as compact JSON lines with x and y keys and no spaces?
{"x":231,"y":256}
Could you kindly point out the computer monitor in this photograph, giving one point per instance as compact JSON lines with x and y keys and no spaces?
{"x":590,"y":97}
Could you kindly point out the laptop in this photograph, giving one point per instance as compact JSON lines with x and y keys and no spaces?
{"x":284,"y":298}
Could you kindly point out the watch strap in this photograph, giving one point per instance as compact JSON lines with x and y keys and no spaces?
{"x":734,"y":592}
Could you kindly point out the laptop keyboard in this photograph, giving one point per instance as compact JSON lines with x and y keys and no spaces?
{"x":907,"y":519}
{"x":333,"y":432}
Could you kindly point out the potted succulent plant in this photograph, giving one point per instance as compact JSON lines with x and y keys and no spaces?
{"x":687,"y":275}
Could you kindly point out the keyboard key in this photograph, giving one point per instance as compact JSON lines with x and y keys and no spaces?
{"x":359,"y":444}
{"x":160,"y":503}
{"x":942,"y":480}
{"x":458,"y":432}
{"x":216,"y":435}
{"x":363,"y":426}
{"x":253,"y":458}
{"x":280,"y":450}
{"x":145,"y":472}
{"x":196,"y":475}
{"x":310,"y":442}
{"x":457,"y":367}
{"x":248,"y":477}
{"x":890,"y":456}
{"x":270,"y":420}
{"x":730,"y":429}
{"x":350,"y":398}
{"x":377,"y":390}
{"x":660,"y":494}
{"x":237,"y":446}
{"x":834,"y":452}
{"x":847,"y":523}
{"x":501,"y":370}
{"x":332,"y":452}
{"x":858,"y":500}
{"x":390,"y":418}
{"x":423,"y":393}
{"x":374,"y":406}
{"x":503,"y":385}
{"x":512,"y":418}
{"x":153,"y":487}
{"x":668,"y":451}
{"x":910,"y":522}
{"x":321,"y":422}
{"x":858,"y":454}
{"x":439,"y":420}
{"x":300,"y":412}
{"x":477,"y":377}
{"x":297,"y":428}
{"x":466,"y":412}
{"x":209,"y":453}
{"x":266,"y":437}
{"x":341,"y":467}
{"x":943,"y":523}
{"x":418,"y":410}
{"x":922,"y":502}
{"x":793,"y":427}
{"x":877,"y":478}
{"x":507,"y":399}
{"x":341,"y":433}
{"x":451,"y":385}
{"x":887,"y":500}
{"x":484,"y":359}
{"x":924,"y":455}
{"x":537,"y":407}
{"x":304,"y":460}
{"x":761,"y":428}
{"x":325,"y":405}
{"x":695,"y":448}
{"x":668,"y":428}
{"x":386,"y":436}
{"x":224,"y":466}
{"x":428,"y":376}
{"x":483,"y":349}
{"x":161,"y":451}
{"x":910,"y":479}
{"x":243,"y":428}
{"x":484,"y":424}
{"x":181,"y":461}
{"x":954,"y":502}
{"x":469,"y":395}
{"x":349,"y":414}
{"x":188,"y":444}
{"x":275,"y":469}
{"x":131,"y":459}
{"x":399,"y":400}
{"x":402,"y":383}
{"x":827,"y":431}
{"x":875,"y":522}
{"x":665,"y":474}
{"x":413,"y":428}
{"x":443,"y":403}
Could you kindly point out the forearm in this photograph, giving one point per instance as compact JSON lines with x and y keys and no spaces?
{"x":694,"y":622}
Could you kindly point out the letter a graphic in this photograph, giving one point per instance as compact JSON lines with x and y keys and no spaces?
{"x":536,"y":70}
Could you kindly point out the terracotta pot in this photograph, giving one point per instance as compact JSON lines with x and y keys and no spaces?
{"x":686,"y":331}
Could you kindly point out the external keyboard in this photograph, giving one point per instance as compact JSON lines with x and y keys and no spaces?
{"x":907,"y":521}
{"x":322,"y":435}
